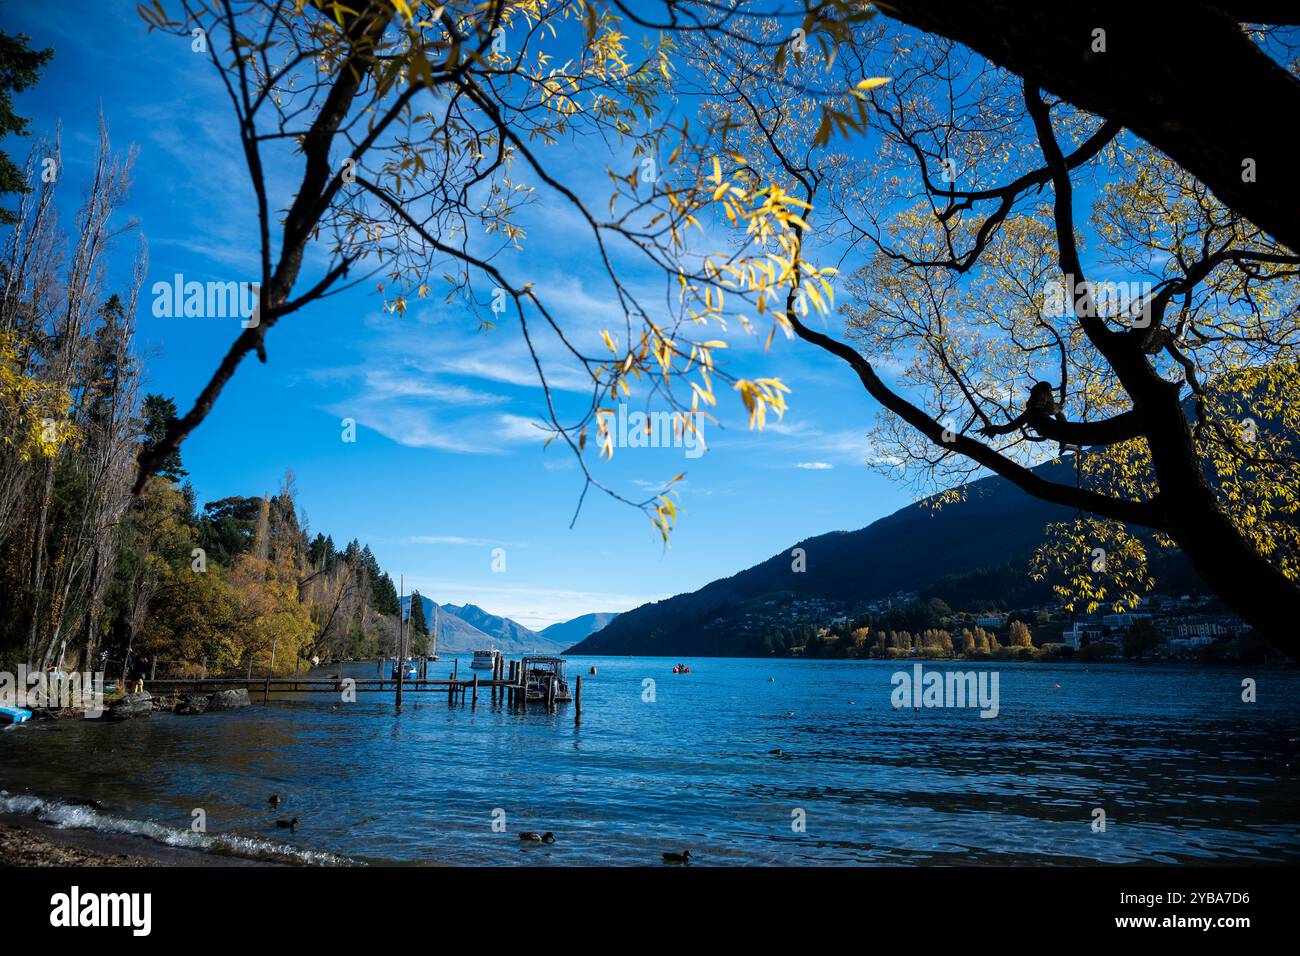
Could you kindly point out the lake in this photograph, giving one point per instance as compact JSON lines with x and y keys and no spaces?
{"x":722,"y":761}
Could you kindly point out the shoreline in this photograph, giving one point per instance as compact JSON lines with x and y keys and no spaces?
{"x":26,"y":841}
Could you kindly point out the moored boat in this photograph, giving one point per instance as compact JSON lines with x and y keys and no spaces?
{"x":485,"y":660}
{"x":540,"y":672}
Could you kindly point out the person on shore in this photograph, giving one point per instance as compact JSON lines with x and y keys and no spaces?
{"x":138,"y":673}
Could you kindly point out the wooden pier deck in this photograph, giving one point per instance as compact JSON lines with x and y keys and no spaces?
{"x":505,"y":686}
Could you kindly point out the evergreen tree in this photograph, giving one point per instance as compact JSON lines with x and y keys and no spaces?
{"x":19,"y":67}
{"x":157,"y":414}
{"x":418,"y":628}
{"x":1141,"y":639}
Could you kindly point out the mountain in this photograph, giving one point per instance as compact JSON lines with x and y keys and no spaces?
{"x":568,"y":633}
{"x":455,"y":636}
{"x":912,"y":548}
{"x":501,"y":630}
{"x":466,"y":628}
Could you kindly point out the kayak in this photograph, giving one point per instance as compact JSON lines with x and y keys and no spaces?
{"x":14,"y":715}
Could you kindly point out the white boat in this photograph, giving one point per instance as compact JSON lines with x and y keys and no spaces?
{"x":485,"y":660}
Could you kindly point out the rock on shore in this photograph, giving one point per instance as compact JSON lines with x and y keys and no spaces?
{"x":193,"y":704}
{"x":228,"y":699}
{"x":132,"y":706}
{"x":143,"y":704}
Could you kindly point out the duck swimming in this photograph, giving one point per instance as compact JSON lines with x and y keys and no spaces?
{"x":275,"y":800}
{"x":683,"y":857}
{"x":547,"y":837}
{"x":287,"y":824}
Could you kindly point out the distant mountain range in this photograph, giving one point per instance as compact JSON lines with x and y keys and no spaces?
{"x":466,"y":628}
{"x":503,"y":631}
{"x":907,"y":551}
{"x":568,"y":633}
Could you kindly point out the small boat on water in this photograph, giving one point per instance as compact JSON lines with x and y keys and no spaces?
{"x":406,"y":668}
{"x":539,"y":672}
{"x":485,"y":660}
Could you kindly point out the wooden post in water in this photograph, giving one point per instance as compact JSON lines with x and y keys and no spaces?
{"x":550,"y":694}
{"x":474,"y":701}
{"x":577,"y":701}
{"x":401,"y":628}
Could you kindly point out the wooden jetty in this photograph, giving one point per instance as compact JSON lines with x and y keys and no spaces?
{"x":515,"y":684}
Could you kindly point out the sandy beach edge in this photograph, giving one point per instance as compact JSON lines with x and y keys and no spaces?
{"x":26,"y":841}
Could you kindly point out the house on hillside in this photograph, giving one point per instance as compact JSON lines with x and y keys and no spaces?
{"x":1083,"y":631}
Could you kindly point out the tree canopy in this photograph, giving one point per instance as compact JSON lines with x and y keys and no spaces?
{"x":976,"y":169}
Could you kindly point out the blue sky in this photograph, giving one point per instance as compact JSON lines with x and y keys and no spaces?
{"x":447,"y":465}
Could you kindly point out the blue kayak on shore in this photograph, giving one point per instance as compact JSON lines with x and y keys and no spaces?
{"x":14,"y":715}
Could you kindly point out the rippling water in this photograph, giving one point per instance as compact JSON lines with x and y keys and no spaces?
{"x":720,"y":762}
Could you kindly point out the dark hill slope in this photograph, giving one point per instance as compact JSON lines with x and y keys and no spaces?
{"x":905,"y":551}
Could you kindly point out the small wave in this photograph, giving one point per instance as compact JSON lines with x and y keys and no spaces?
{"x":66,"y":815}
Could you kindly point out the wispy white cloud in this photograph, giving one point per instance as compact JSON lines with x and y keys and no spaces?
{"x":451,"y":539}
{"x":815,"y":465}
{"x":518,"y":428}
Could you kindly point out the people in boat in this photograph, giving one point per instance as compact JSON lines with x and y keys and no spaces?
{"x":593,"y":669}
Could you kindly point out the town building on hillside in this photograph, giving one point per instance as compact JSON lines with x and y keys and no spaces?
{"x":1082,"y":631}
{"x":1125,"y":619}
{"x":1202,"y":629}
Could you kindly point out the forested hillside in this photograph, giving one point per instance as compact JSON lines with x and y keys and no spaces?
{"x":88,"y":570}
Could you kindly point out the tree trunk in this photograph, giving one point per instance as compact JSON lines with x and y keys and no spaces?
{"x":1209,"y":121}
{"x":1225,"y":559}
